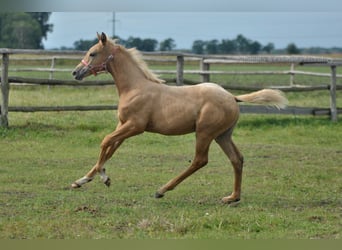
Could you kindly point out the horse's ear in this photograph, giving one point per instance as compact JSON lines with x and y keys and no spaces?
{"x":98,"y":36}
{"x":103,"y":38}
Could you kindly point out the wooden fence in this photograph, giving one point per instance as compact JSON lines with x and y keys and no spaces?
{"x":179,"y":58}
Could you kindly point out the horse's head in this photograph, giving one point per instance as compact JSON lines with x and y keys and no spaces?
{"x":95,"y":60}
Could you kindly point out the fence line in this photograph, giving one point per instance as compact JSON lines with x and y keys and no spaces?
{"x":56,"y":82}
{"x":179,"y":59}
{"x":290,"y":110}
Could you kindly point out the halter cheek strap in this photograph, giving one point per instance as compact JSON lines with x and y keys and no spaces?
{"x":98,"y":68}
{"x":91,"y":68}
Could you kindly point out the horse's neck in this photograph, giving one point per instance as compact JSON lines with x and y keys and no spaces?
{"x":126,"y":73}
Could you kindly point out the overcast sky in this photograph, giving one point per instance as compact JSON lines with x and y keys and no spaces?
{"x":305,"y":29}
{"x":306,"y":23}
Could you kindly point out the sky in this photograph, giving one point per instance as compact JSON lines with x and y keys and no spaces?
{"x":304,"y":28}
{"x":307,"y":23}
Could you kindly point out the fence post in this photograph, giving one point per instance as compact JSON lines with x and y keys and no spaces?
{"x":333,"y":107}
{"x":292,"y":74}
{"x":205,"y":67}
{"x":4,"y":91}
{"x":52,"y":68}
{"x":180,"y":70}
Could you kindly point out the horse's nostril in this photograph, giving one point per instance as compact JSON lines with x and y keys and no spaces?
{"x":74,"y":73}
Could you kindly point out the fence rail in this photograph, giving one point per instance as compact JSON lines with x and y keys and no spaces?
{"x":243,"y":109}
{"x":179,"y":58}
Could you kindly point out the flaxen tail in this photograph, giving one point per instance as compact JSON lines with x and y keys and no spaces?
{"x":269,"y":97}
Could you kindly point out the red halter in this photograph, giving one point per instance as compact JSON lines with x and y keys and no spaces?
{"x":98,"y":68}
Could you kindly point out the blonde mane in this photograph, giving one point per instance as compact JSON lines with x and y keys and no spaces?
{"x":136,"y":56}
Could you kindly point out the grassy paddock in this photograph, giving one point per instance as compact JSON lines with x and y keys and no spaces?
{"x":291,"y":187}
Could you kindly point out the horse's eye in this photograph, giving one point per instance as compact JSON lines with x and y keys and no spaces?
{"x":92,"y":54}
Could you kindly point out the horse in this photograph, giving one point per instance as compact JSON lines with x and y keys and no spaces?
{"x":146,"y":103}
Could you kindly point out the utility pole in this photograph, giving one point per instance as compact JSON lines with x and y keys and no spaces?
{"x":114,"y":20}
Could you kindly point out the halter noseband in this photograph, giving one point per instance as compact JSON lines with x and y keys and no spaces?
{"x":98,"y":68}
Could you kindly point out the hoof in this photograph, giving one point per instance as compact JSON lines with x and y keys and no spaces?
{"x":234,"y":203}
{"x":158,"y":195}
{"x":231,"y":202}
{"x":75,"y":185}
{"x":107,"y":182}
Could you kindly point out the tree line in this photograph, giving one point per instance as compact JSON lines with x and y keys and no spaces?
{"x":239,"y":45}
{"x":147,"y":44}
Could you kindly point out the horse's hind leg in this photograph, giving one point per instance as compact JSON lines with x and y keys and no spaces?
{"x":229,"y":148}
{"x":200,"y":160}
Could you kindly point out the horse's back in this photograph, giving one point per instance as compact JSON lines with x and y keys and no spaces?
{"x":180,"y":110}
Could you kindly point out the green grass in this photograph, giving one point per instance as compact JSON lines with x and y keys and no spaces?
{"x":292,"y":178}
{"x":291,"y":186}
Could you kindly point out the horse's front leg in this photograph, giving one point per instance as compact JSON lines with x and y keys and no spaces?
{"x":106,"y":154}
{"x":108,"y":146}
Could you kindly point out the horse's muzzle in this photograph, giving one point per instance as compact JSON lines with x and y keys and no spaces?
{"x":80,"y":73}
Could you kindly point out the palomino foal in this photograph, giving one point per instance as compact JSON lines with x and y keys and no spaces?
{"x":146,"y":104}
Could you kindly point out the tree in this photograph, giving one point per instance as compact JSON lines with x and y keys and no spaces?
{"x":212,"y":47}
{"x":167,"y":45}
{"x":227,"y":46}
{"x":149,"y":44}
{"x":23,"y":30}
{"x":133,"y":42}
{"x":292,"y":49}
{"x":20,"y":31}
{"x":268,"y":48}
{"x":42,"y":18}
{"x":198,"y":47}
{"x":84,"y":44}
{"x":254,"y":47}
{"x":242,"y":44}
{"x":141,"y":44}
